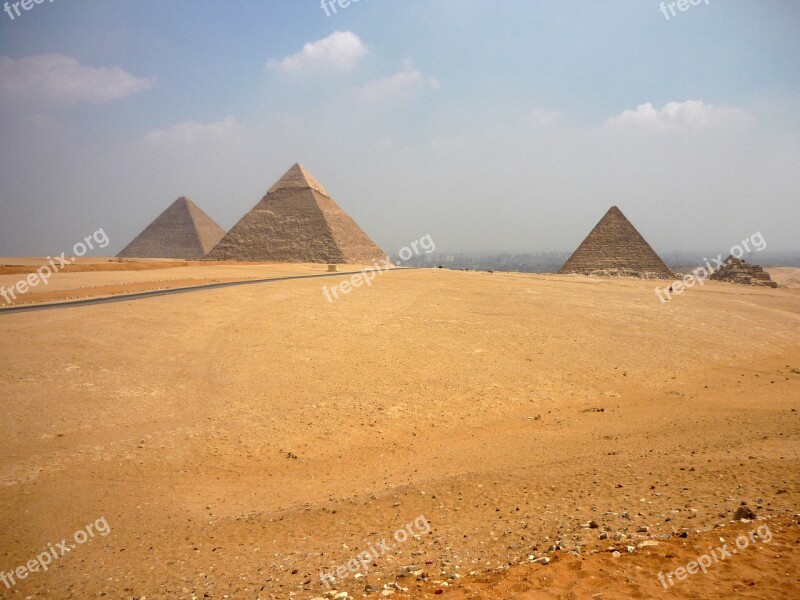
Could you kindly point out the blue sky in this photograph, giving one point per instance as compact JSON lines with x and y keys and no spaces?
{"x":492,"y":126}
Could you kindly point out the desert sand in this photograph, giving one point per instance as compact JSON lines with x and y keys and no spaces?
{"x":788,"y":277}
{"x":240,"y":441}
{"x":98,"y":278}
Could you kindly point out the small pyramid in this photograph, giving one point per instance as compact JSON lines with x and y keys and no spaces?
{"x":615,"y":247}
{"x":297,"y":221}
{"x":182,"y":231}
{"x":736,"y":270}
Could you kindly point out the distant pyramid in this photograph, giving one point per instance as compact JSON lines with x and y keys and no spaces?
{"x":181,"y":231}
{"x":614,"y":247}
{"x":297,"y":222}
{"x":736,"y":270}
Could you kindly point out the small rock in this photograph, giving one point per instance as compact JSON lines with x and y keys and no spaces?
{"x":616,"y":554}
{"x":743,"y":512}
{"x":648,"y":544}
{"x":542,"y":561}
{"x":603,"y":536}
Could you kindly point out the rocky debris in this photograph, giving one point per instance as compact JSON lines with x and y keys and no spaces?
{"x":744,"y":512}
{"x":626,"y":273}
{"x":736,"y":270}
{"x":590,"y":525}
{"x":411,"y":570}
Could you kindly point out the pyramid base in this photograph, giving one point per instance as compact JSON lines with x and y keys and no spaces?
{"x":622,"y":273}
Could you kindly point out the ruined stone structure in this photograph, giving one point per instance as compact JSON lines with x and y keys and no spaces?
{"x":297,"y":221}
{"x":615,"y":248}
{"x":182,"y":231}
{"x":736,"y":270}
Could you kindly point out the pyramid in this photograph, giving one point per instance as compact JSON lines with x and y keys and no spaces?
{"x":736,"y":270}
{"x":297,"y":222}
{"x":614,"y":247}
{"x":181,"y":231}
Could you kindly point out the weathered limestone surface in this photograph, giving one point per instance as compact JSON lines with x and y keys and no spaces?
{"x":736,"y":270}
{"x":297,"y":222}
{"x":181,"y":231}
{"x":615,"y":248}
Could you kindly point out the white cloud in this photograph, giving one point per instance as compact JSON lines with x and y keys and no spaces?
{"x":190,"y":132}
{"x":340,"y":51}
{"x":399,"y":83}
{"x":544,"y":118}
{"x":674,"y":116}
{"x":62,"y":80}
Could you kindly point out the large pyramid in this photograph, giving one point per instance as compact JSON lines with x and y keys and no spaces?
{"x":614,"y":247}
{"x":181,"y":231}
{"x":297,"y":222}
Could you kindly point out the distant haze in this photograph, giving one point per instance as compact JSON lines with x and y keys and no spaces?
{"x":493,"y":127}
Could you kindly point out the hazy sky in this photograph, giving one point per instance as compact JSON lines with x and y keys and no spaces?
{"x":508,"y":125}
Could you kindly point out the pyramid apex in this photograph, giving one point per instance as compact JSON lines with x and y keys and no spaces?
{"x":298,"y":177}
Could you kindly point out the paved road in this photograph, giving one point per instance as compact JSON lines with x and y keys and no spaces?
{"x":156,"y":293}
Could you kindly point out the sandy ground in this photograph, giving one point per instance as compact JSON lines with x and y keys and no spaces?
{"x":93,"y":277}
{"x":788,"y":277}
{"x":239,"y":441}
